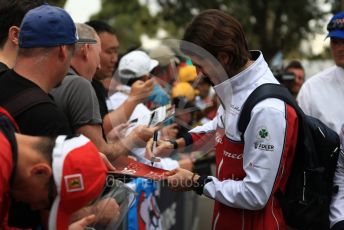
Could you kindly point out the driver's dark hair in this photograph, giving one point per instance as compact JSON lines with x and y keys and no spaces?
{"x":217,"y":31}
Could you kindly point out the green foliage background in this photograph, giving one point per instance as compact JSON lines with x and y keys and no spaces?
{"x":270,"y":25}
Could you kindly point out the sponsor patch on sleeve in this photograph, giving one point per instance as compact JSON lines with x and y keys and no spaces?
{"x":262,"y":136}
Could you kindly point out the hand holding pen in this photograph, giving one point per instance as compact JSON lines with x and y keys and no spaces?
{"x":154,"y":145}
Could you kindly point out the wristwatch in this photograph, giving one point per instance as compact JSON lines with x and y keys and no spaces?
{"x":200,"y":183}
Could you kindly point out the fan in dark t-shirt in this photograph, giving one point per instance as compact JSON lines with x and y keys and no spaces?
{"x":101,"y":95}
{"x":3,"y":67}
{"x":43,"y":119}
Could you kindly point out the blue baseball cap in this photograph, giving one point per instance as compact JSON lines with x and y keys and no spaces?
{"x":335,"y":27}
{"x":48,"y":26}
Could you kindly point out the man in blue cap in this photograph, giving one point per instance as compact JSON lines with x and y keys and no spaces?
{"x":46,"y":44}
{"x":321,"y":95}
{"x":47,"y":40}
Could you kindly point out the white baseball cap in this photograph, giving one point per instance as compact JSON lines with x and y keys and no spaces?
{"x":136,"y":64}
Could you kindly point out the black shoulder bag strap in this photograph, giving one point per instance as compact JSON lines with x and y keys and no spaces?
{"x":25,"y":100}
{"x":270,"y":90}
{"x":262,"y":92}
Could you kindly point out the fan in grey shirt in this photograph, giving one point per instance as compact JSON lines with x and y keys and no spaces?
{"x":77,"y":99}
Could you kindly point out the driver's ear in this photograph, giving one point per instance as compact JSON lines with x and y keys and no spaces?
{"x":223,"y":58}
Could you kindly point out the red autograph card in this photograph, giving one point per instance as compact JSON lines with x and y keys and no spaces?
{"x":126,"y":166}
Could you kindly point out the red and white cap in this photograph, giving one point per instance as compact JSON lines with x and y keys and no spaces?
{"x":79,"y":175}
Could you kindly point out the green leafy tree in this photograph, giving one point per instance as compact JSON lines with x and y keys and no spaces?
{"x":130,"y":20}
{"x":270,"y":25}
{"x":59,"y":3}
{"x":337,"y":6}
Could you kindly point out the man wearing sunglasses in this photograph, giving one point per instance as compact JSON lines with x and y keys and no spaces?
{"x":321,"y":95}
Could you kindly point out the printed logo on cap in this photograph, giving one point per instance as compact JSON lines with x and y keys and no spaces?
{"x":74,"y":183}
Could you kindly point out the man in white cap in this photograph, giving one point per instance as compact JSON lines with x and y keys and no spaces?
{"x":133,"y":67}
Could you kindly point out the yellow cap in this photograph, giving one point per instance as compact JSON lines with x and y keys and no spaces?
{"x":183,"y":89}
{"x":187,"y":73}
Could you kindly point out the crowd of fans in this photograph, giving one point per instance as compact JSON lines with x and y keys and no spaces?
{"x":69,"y":103}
